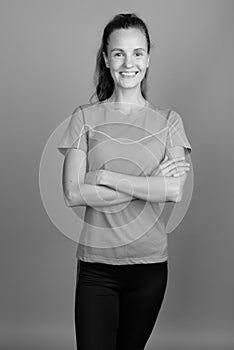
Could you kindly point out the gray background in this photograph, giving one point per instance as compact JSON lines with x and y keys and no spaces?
{"x":47,"y":59}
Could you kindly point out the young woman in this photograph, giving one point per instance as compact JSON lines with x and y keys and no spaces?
{"x":123,"y":156}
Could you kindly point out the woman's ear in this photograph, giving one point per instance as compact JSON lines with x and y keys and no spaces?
{"x":147,"y":65}
{"x":105,"y":59}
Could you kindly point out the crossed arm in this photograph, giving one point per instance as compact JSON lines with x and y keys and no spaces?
{"x":105,"y":188}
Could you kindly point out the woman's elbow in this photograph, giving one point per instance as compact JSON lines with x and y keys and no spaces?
{"x":68,"y":202}
{"x":178,"y":198}
{"x":180,"y":189}
{"x":68,"y":198}
{"x":72,"y":199}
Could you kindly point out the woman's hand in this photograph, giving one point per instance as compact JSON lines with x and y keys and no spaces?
{"x":94,"y":177}
{"x":172,"y":167}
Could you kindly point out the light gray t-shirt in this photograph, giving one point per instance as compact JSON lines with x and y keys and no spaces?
{"x":133,"y":144}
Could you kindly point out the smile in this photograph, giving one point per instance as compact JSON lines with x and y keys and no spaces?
{"x":128,"y":74}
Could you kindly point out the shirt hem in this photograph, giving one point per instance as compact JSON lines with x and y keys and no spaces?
{"x":127,"y":261}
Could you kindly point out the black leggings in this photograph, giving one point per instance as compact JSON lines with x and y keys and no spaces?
{"x":116,"y":306}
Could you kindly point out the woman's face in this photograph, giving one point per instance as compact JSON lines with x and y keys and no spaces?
{"x":127,"y":57}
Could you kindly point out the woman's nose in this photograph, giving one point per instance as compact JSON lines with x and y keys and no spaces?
{"x":128,"y":62}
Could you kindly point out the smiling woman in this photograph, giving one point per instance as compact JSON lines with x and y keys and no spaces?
{"x":125,"y":48}
{"x":127,"y":58}
{"x":115,"y":165}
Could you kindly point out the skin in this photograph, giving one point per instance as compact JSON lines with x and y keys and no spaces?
{"x":126,"y":52}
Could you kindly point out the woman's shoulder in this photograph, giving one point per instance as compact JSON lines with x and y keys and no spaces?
{"x":86,"y":109}
{"x":162,"y":111}
{"x":89,"y":113}
{"x":88,"y":106}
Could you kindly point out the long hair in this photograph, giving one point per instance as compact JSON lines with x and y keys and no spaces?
{"x":103,"y":80}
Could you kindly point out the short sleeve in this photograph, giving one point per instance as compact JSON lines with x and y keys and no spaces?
{"x":176,"y":133}
{"x":75,"y":135}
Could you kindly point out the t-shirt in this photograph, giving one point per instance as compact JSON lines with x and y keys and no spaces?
{"x":133,"y":144}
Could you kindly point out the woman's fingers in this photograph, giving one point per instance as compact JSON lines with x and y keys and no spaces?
{"x":177,"y":171}
{"x":172,"y":166}
{"x":178,"y":167}
{"x":175,"y":167}
{"x":164,"y":164}
{"x":179,"y":174}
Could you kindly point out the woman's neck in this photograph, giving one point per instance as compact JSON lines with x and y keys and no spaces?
{"x":127,"y":99}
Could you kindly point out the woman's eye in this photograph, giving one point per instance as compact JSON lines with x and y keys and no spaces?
{"x":118,"y":54}
{"x":139,"y":54}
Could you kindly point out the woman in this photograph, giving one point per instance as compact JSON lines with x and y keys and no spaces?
{"x":122,"y":157}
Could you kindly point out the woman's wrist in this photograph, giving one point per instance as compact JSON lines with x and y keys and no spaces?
{"x":106,"y":177}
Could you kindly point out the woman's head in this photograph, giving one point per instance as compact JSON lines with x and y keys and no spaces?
{"x":125,"y":48}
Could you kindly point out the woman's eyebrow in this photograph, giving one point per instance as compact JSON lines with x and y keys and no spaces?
{"x":118,"y":49}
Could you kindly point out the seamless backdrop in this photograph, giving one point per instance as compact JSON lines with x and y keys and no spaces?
{"x":47,"y":60}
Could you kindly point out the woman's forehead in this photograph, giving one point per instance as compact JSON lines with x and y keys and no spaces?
{"x":122,"y":37}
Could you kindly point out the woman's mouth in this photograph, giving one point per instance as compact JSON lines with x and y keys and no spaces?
{"x":128,"y":74}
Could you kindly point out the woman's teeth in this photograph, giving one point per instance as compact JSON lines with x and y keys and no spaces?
{"x":129,"y":74}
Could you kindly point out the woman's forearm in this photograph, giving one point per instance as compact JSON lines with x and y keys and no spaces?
{"x":96,"y":196}
{"x":148,"y":188}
